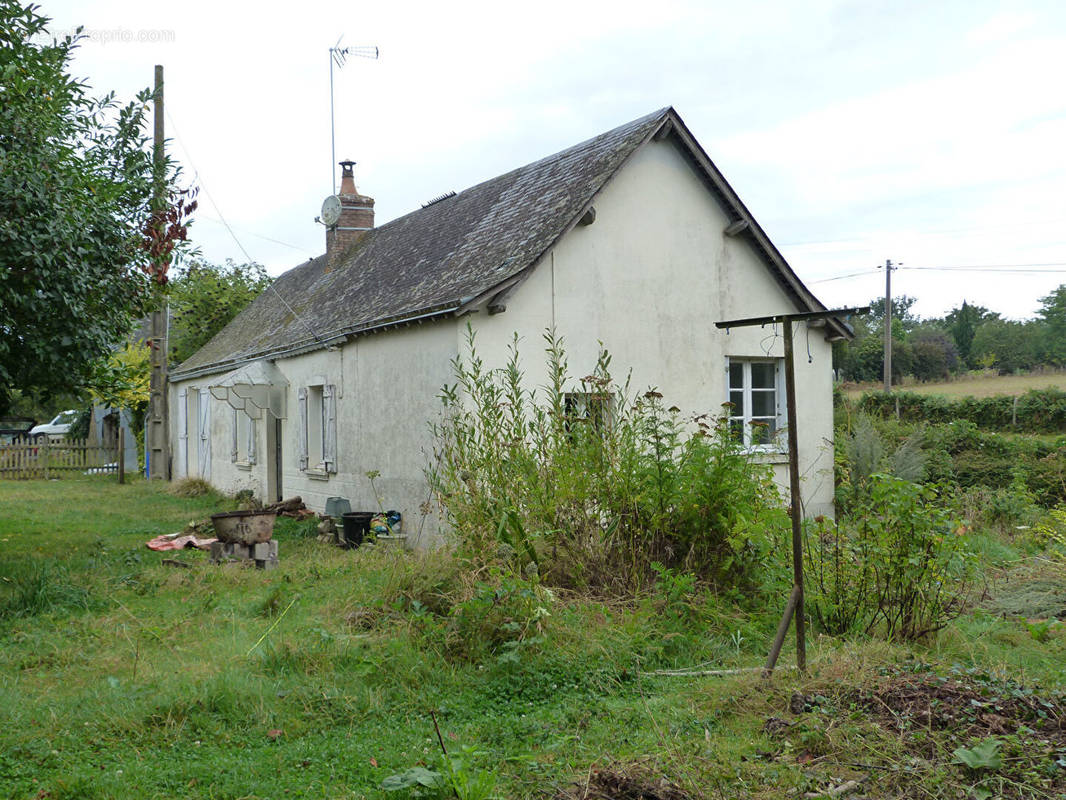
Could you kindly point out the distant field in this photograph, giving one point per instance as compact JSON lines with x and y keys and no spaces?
{"x":977,"y":386}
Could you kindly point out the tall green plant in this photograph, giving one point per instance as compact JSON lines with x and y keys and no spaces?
{"x":897,"y":566}
{"x":590,"y":484}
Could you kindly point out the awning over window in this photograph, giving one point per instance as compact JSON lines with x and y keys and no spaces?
{"x":253,"y":389}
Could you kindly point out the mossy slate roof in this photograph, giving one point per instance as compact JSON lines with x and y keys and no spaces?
{"x":437,"y":258}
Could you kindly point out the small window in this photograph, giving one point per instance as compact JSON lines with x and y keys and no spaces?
{"x":243,"y":445}
{"x":586,"y":408}
{"x":756,"y":413}
{"x":315,"y":427}
{"x":318,"y":428}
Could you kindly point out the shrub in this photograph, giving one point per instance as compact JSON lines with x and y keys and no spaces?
{"x":190,"y":487}
{"x":1051,"y":531}
{"x":898,"y":568}
{"x":590,"y":488}
{"x":1036,"y":411}
{"x":41,"y":587}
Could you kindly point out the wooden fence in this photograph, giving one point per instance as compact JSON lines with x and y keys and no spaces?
{"x":26,"y":459}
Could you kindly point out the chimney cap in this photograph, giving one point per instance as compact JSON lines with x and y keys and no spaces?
{"x":346,"y":166}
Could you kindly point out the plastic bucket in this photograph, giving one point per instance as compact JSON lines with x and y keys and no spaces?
{"x":337,"y":506}
{"x":356,"y":525}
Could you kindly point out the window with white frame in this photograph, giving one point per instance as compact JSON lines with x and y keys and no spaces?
{"x":317,"y":428}
{"x":757,"y":407}
{"x":242,"y":445}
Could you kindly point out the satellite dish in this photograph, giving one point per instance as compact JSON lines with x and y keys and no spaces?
{"x":331,"y":210}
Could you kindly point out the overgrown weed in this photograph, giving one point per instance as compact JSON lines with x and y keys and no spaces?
{"x":191,"y":487}
{"x":585,"y":483}
{"x":33,"y":587}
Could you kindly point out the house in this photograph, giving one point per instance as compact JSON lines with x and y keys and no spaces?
{"x":633,"y":238}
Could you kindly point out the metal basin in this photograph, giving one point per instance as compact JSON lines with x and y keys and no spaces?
{"x":244,"y":527}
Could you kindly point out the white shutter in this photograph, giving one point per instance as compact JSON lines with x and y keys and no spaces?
{"x":233,"y":439}
{"x":301,"y":427}
{"x":205,"y":434}
{"x":251,"y":441}
{"x":329,"y":427}
{"x":183,"y":432}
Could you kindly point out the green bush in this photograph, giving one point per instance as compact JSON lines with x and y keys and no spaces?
{"x":1038,"y":410}
{"x":591,"y":495}
{"x":41,"y":587}
{"x":896,"y":569}
{"x":957,"y":454}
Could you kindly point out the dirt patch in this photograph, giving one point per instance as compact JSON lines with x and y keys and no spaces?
{"x":976,"y":706}
{"x":623,"y":783}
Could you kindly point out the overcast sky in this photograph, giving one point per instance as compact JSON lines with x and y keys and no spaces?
{"x":930,"y":133}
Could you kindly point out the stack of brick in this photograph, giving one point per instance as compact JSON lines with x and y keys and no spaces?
{"x":263,"y":554}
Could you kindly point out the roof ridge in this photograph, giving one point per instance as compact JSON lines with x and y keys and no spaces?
{"x":639,"y":121}
{"x":435,"y":257}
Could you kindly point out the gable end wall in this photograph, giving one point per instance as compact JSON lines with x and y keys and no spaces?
{"x":649,"y":278}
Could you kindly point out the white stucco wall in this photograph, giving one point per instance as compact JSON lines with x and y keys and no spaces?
{"x":649,"y":278}
{"x":388,"y":386}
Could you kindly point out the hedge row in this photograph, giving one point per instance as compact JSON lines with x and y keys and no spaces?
{"x":1036,"y":411}
{"x":961,"y":454}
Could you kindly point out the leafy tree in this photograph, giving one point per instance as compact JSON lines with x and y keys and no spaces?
{"x":962,"y":324}
{"x":934,"y":354}
{"x":901,"y":312}
{"x":122,"y":380}
{"x":204,"y":297}
{"x":1006,"y":345}
{"x":76,"y":220}
{"x":1053,"y":314}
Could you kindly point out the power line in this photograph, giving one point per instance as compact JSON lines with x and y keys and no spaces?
{"x":258,"y":235}
{"x":218,"y":211}
{"x":1030,"y":269}
{"x":1036,"y":268}
{"x":842,"y":277}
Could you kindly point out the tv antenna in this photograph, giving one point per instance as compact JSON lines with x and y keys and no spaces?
{"x":339,"y":55}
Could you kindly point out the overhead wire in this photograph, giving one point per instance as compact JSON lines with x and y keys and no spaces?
{"x":257,"y":235}
{"x":1030,"y":269}
{"x":222,"y":219}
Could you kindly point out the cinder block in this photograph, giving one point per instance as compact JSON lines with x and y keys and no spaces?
{"x":261,"y":550}
{"x":266,"y":563}
{"x":218,"y":551}
{"x":238,"y":551}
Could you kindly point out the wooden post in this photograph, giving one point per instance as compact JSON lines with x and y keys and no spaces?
{"x":782,"y":629}
{"x":157,"y":430}
{"x":795,"y":500}
{"x":794,"y":609}
{"x":888,"y":325}
{"x":121,"y":455}
{"x":45,"y":454}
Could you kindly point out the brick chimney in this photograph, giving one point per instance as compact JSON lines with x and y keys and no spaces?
{"x":357,"y":217}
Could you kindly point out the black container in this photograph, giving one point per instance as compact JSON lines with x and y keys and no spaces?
{"x":356,"y":525}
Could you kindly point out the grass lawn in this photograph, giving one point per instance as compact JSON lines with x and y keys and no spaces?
{"x":123,"y":677}
{"x":975,"y":386}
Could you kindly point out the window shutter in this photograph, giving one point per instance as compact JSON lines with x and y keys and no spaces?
{"x":233,"y":438}
{"x":205,"y":433}
{"x":301,"y":427}
{"x":183,"y":432}
{"x":329,"y":427}
{"x":251,"y":441}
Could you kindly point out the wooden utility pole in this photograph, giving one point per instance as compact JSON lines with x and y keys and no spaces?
{"x":157,"y":431}
{"x":794,"y":608}
{"x":888,"y":325}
